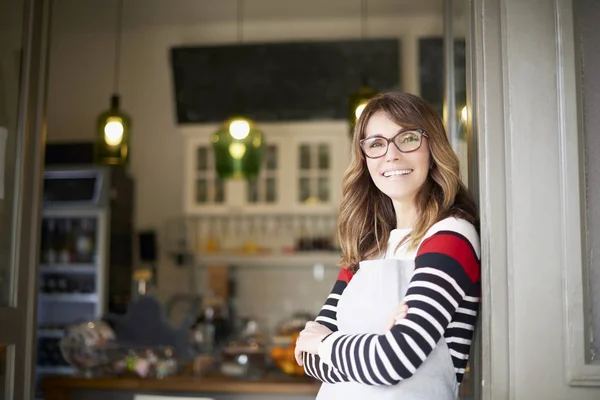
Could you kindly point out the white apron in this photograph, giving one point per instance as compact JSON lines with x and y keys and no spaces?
{"x":365,"y":307}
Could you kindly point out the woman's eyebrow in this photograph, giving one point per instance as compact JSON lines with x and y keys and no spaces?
{"x":383,"y":136}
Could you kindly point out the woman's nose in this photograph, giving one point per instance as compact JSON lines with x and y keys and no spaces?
{"x":392,"y":153}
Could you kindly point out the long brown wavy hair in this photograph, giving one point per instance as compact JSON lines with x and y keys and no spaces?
{"x":367,"y":215}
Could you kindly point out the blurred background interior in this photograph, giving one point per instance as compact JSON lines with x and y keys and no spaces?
{"x":193,"y":165}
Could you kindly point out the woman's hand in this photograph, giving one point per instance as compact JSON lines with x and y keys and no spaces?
{"x":313,"y":333}
{"x":398,"y":314}
{"x":309,"y":339}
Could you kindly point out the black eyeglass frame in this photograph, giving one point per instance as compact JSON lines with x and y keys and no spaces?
{"x":392,"y":140}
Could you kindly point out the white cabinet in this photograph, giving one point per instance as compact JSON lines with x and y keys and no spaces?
{"x":301,"y":174}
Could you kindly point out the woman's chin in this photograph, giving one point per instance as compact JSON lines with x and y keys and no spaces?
{"x":402,"y":197}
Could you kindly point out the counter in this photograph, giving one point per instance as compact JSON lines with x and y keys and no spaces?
{"x":214,"y":387}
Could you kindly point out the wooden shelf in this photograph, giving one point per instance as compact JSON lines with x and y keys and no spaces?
{"x":55,"y":369}
{"x":68,"y":268}
{"x":57,"y":386}
{"x":275,"y":260}
{"x":69,"y":297}
{"x":51,"y":333}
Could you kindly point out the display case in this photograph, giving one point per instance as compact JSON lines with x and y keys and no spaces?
{"x":73,"y":258}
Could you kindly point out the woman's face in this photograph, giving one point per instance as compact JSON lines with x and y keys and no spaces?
{"x":398,"y":175}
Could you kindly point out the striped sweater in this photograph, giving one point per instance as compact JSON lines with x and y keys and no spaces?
{"x":443,"y":300}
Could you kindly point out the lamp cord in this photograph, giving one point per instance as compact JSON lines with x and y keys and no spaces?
{"x":240,"y":21}
{"x":363,"y":19}
{"x":118,"y":45}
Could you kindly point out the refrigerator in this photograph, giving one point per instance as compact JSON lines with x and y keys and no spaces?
{"x":73,"y":258}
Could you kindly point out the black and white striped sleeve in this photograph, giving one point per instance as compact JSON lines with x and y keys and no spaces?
{"x":313,"y":366}
{"x":446,"y":269}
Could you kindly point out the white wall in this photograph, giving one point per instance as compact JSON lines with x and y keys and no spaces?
{"x":81,"y":73}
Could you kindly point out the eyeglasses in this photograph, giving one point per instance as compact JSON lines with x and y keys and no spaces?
{"x":406,"y":141}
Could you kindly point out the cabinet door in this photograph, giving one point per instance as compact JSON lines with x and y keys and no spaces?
{"x":317,"y":172}
{"x":302,"y":172}
{"x":266,"y":194}
{"x":204,"y":191}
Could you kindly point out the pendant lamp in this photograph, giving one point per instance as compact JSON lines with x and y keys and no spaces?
{"x":357,"y":102}
{"x":113,"y":126}
{"x":238,"y":147}
{"x":238,"y":144}
{"x":359,"y":99}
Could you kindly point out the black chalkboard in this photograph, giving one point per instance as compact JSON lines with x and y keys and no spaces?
{"x":279,"y":81}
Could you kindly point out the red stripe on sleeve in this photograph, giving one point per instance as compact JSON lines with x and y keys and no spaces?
{"x":345,"y":275}
{"x":455,"y":247}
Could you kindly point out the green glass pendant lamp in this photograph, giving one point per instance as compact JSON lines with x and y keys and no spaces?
{"x":113,"y":126}
{"x":238,"y":144}
{"x":238,"y":147}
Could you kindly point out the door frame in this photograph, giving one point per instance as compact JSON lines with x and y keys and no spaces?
{"x":488,"y":89}
{"x":19,"y":320}
{"x":503,"y":88}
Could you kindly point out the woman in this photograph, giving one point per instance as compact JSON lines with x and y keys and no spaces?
{"x":408,"y":231}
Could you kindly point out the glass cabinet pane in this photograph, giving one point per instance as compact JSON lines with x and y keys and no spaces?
{"x":219,"y":190}
{"x":304,"y":189}
{"x":252,"y":191}
{"x":323,"y":157}
{"x":271,"y":158}
{"x":202,"y":159}
{"x":271,"y":190}
{"x":201,"y":191}
{"x":315,"y":172}
{"x":324,"y":189}
{"x":305,"y":156}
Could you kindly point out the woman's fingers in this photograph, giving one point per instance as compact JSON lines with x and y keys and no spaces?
{"x":398,"y":314}
{"x":402,"y":310}
{"x":298,"y":356}
{"x":298,"y":350}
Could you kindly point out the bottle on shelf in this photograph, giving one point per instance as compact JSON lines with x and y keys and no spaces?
{"x":142,"y":282}
{"x":64,"y":236}
{"x":62,"y":284}
{"x":50,"y":284}
{"x":49,"y":250}
{"x":85,"y":241}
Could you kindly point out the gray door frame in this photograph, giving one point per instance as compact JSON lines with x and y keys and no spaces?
{"x":18,"y":321}
{"x":530,"y":179}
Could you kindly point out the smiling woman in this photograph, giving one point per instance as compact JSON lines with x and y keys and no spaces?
{"x":400,"y":170}
{"x":409,"y":233}
{"x":433,"y":190}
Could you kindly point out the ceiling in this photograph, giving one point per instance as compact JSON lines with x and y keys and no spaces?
{"x":143,"y":13}
{"x":212,"y":10}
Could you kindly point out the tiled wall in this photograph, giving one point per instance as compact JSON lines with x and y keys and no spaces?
{"x":273,"y":294}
